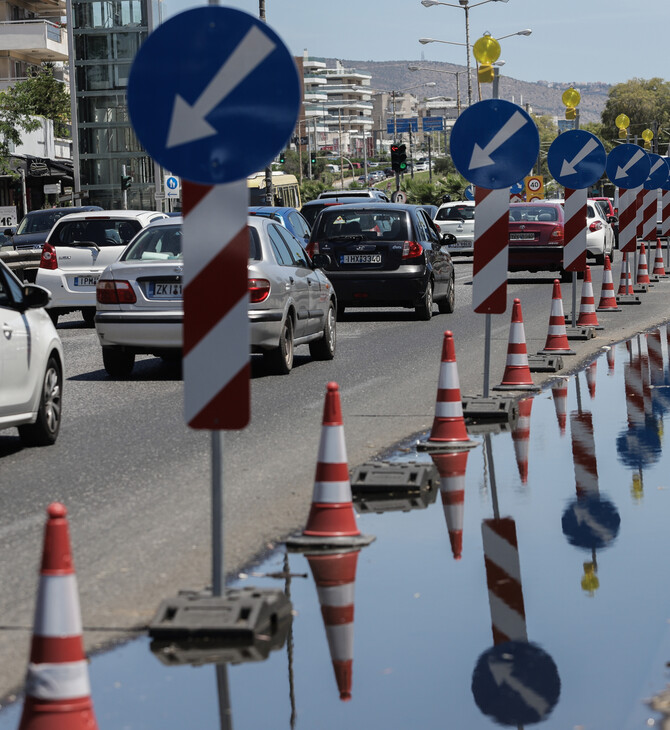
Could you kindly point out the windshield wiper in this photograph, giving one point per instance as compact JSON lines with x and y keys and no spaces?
{"x":84,"y":243}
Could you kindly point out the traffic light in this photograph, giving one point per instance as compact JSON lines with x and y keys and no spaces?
{"x":282,"y":158}
{"x":126,"y":180}
{"x":313,"y":158}
{"x":398,"y":157}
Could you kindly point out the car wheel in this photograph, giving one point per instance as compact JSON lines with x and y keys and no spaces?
{"x":424,"y":310}
{"x":280,"y":359}
{"x":89,"y":316}
{"x":324,"y":348}
{"x":53,"y":316}
{"x":45,"y":429}
{"x":118,"y":363}
{"x":446,"y":305}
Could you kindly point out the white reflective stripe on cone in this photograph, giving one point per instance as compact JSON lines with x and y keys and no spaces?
{"x":57,"y":610}
{"x":58,"y":681}
{"x":342,"y":595}
{"x":444,"y":409}
{"x":332,"y":449}
{"x":517,"y":334}
{"x":332,"y":492}
{"x":517,"y":359}
{"x":341,"y":641}
{"x":448,"y":379}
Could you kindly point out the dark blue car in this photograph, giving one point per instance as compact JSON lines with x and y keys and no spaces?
{"x":288,"y":217}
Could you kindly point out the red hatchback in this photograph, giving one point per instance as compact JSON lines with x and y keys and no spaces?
{"x":536,"y":237}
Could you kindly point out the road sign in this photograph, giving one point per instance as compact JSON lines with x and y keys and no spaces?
{"x":658,"y":173}
{"x":402,"y":124}
{"x":516,"y":683}
{"x":591,"y":522}
{"x":398,"y":196}
{"x":517,"y":188}
{"x":7,"y":215}
{"x":51,"y":189}
{"x":433,"y":124}
{"x":534,"y":187}
{"x":469,"y":192}
{"x":221,"y":107}
{"x":576,"y":159}
{"x":628,"y":166}
{"x":494,"y":143}
{"x":172,"y":187}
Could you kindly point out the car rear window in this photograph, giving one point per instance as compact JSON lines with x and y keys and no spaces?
{"x":99,"y":231}
{"x":255,"y":253}
{"x":40,"y":221}
{"x":454,"y":212}
{"x":533,"y":213}
{"x":363,"y":224}
{"x":156,"y":244}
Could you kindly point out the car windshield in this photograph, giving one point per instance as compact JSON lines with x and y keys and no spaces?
{"x":533,"y":213}
{"x":156,"y":244}
{"x":40,"y":221}
{"x":344,"y":225}
{"x":454,"y":212}
{"x":95,"y":231}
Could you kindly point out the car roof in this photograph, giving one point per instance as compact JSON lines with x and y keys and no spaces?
{"x":378,"y":205}
{"x":71,"y":209}
{"x":271,"y":209}
{"x":107,"y":214}
{"x":452,"y":203}
{"x":346,"y":198}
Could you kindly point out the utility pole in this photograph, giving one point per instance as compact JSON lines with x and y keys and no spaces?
{"x":411,"y":154}
{"x":125,"y":192}
{"x":269,"y":192}
{"x":430,"y":162}
{"x":339,"y":144}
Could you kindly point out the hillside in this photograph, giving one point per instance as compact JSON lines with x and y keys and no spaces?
{"x":544,"y":97}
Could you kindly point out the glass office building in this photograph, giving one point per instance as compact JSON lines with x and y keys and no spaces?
{"x":107,"y":35}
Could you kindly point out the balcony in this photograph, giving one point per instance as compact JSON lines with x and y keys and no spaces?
{"x":41,"y":38}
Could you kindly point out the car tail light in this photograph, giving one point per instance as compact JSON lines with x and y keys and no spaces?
{"x":411,"y":249}
{"x":312,"y":247}
{"x":48,"y":260}
{"x":259,"y":290}
{"x":109,"y":291}
{"x":595,"y":226}
{"x":437,"y":225}
{"x":557,"y":234}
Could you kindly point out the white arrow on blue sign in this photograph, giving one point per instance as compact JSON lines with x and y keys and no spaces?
{"x":494,"y":143}
{"x":221,"y":107}
{"x":576,"y":159}
{"x":628,"y":166}
{"x":658,"y":174}
{"x":591,"y":522}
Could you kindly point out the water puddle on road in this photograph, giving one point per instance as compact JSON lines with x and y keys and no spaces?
{"x":521,"y":582}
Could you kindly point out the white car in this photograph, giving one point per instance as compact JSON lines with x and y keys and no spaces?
{"x":140,"y":304}
{"x":31,"y":362}
{"x":458,"y":218}
{"x":599,"y":234}
{"x":78,"y":249}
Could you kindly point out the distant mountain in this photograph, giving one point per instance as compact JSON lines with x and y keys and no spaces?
{"x":544,"y":97}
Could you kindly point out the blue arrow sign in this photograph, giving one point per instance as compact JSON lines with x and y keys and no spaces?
{"x":591,"y":522}
{"x":469,"y":192}
{"x":433,"y":124}
{"x":658,"y":174}
{"x":494,"y":143}
{"x":516,"y":683}
{"x":223,"y":105}
{"x":576,"y":159}
{"x":628,"y":166}
{"x":517,"y":188}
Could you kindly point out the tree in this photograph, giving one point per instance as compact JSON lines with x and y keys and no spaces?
{"x":41,"y":95}
{"x":646,"y":102}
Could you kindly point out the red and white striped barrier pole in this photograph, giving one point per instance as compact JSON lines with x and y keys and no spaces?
{"x":665,"y":224}
{"x":490,"y":261}
{"x":649,"y":206}
{"x":627,"y":219}
{"x":574,"y":251}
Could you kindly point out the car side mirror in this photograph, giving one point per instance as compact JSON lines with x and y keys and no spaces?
{"x":321,"y":260}
{"x":35,"y":296}
{"x":448,"y":239}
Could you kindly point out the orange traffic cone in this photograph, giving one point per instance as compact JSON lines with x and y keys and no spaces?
{"x":448,"y":431}
{"x":517,"y":371}
{"x":331,"y":522}
{"x":587,"y":307}
{"x":521,"y":438}
{"x":335,"y":575}
{"x":451,"y":468}
{"x":58,"y":693}
{"x":560,"y":395}
{"x":642,"y":269}
{"x":557,"y":336}
{"x":625,"y":281}
{"x":607,"y":297}
{"x":659,"y":268}
{"x":591,"y":378}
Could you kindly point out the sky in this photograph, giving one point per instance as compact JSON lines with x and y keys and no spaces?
{"x":572,"y":41}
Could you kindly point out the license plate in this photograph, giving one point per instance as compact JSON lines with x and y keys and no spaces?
{"x":521,"y":236}
{"x":159,"y":290}
{"x":460,"y":244}
{"x":361,"y":258}
{"x":86,"y":280}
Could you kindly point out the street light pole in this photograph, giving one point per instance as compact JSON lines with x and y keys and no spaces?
{"x":466,"y":7}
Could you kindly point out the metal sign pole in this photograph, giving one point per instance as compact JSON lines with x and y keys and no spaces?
{"x":218,"y":567}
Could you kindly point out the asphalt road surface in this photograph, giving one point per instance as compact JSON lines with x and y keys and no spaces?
{"x":136,"y":480}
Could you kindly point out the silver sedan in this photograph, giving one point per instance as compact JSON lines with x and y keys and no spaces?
{"x":140,"y":304}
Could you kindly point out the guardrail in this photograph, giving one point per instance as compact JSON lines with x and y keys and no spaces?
{"x":23,"y":263}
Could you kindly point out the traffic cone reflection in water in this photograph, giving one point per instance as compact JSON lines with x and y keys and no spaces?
{"x":451,"y":468}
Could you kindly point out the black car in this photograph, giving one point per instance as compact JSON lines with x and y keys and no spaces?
{"x":35,"y":225}
{"x":311,"y":209}
{"x":388,"y":255}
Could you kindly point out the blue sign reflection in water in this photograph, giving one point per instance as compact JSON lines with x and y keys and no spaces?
{"x":425,"y":625}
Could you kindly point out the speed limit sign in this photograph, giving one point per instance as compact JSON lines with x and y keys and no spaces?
{"x":534,"y":187}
